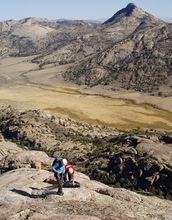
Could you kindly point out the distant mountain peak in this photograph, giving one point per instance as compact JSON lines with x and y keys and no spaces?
{"x":130,"y":9}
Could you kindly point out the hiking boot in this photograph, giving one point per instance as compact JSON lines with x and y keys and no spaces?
{"x":60,"y":193}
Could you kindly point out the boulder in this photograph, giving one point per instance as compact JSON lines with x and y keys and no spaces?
{"x":27,"y":159}
{"x":7,"y":147}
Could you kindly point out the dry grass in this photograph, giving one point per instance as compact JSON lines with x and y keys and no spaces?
{"x":92,"y":109}
{"x":85,"y":105}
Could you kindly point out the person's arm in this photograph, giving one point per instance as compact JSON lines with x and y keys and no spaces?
{"x":54,"y":168}
{"x":73,"y":178}
{"x":58,"y":169}
{"x":61,"y":169}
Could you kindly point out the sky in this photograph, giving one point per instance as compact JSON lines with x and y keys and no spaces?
{"x":78,"y":9}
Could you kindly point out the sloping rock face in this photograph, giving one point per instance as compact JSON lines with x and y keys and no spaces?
{"x":137,"y":160}
{"x":25,"y":194}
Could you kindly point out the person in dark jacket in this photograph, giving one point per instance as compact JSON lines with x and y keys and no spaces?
{"x":58,"y":168}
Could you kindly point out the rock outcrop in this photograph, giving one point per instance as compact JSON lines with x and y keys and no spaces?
{"x":25,"y":194}
{"x":7,"y":147}
{"x":25,"y":159}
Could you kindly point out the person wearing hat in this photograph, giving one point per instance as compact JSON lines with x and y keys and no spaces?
{"x":58,"y":168}
{"x":69,"y":173}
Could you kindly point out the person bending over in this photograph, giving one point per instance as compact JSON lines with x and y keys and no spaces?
{"x":69,"y":173}
{"x":58,"y":168}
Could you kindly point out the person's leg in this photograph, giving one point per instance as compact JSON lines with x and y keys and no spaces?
{"x":65,"y":177}
{"x":69,"y":176}
{"x":60,"y":184}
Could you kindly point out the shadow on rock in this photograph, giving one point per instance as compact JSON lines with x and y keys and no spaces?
{"x":42,"y":195}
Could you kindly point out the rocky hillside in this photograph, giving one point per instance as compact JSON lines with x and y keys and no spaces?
{"x":49,"y":37}
{"x":131,"y":50}
{"x":141,"y":62}
{"x":137,"y":160}
{"x":72,"y":39}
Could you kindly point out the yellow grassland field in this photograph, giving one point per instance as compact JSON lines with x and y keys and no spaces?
{"x":25,"y":86}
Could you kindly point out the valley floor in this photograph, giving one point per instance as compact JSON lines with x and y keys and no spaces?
{"x":25,"y":86}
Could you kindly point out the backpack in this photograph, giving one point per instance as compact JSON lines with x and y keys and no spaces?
{"x":57,"y":160}
{"x":68,"y":184}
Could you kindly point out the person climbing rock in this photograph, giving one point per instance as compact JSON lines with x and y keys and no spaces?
{"x":58,"y":168}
